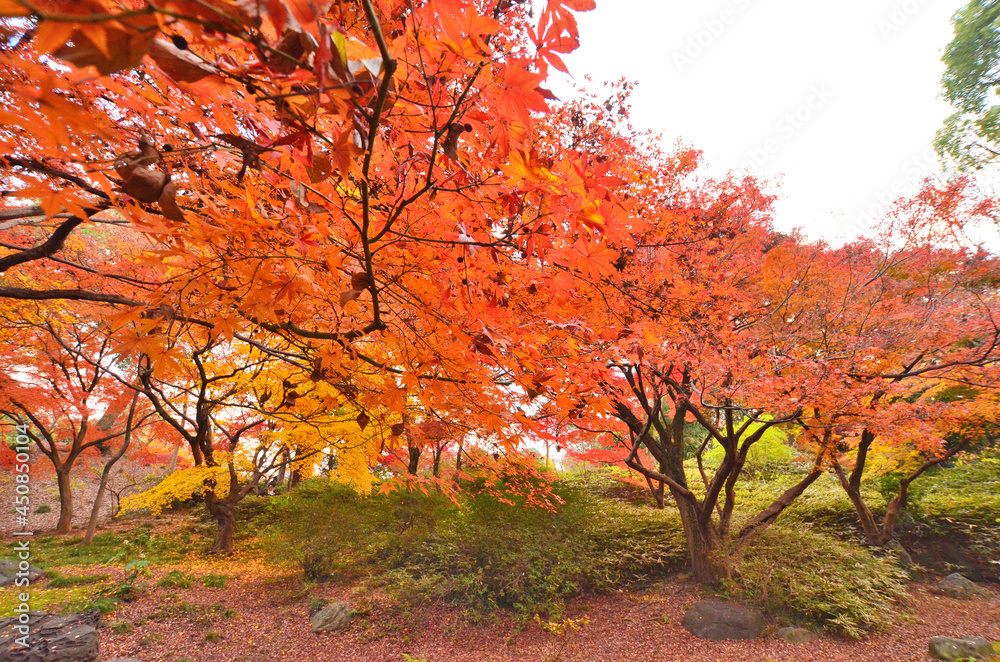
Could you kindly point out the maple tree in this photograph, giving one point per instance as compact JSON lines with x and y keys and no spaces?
{"x":58,"y":384}
{"x":656,"y":332}
{"x":107,"y":466}
{"x":362,"y":231}
{"x":343,"y":187}
{"x":902,"y":320}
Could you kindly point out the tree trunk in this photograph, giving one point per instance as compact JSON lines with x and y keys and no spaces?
{"x":707,"y":566}
{"x":656,"y":489}
{"x":95,"y":512}
{"x":65,"y":500}
{"x":458,"y":465}
{"x":173,"y":459}
{"x":868,"y":524}
{"x":280,"y":480}
{"x":224,"y":513}
{"x":891,"y":517}
{"x":295,"y":470}
{"x":438,"y":451}
{"x":414,"y":464}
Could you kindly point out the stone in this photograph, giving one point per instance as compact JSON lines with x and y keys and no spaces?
{"x":950,"y":648}
{"x":797,"y":635}
{"x":335,"y":616}
{"x":51,"y":638}
{"x":718,"y":620}
{"x":9,"y":569}
{"x":957,"y":586}
{"x":903,"y":558}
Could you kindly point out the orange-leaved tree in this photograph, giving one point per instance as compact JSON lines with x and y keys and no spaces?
{"x":352,"y":189}
{"x":59,"y":383}
{"x":656,"y":330}
{"x":902,"y":319}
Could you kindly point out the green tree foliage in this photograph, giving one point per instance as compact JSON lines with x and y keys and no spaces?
{"x":970,"y":138}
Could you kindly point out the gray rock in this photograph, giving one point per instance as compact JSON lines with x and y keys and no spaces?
{"x":949,"y":648}
{"x":9,"y":569}
{"x":51,"y":638}
{"x":335,"y":616}
{"x":957,"y":586}
{"x":718,"y":620}
{"x":903,"y":558}
{"x":797,"y":635}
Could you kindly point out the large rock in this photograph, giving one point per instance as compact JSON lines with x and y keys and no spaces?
{"x":949,"y":648}
{"x":718,"y":620}
{"x":9,"y":569}
{"x":903,"y":558}
{"x":957,"y":586}
{"x":51,"y":638}
{"x":335,"y":616}
{"x":797,"y":635}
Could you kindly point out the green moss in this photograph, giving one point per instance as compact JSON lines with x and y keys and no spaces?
{"x":46,"y":599}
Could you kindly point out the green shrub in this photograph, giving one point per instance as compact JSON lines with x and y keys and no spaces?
{"x":175,"y":579}
{"x":484,"y":555}
{"x":214,"y":581}
{"x":812,"y":576}
{"x":44,"y":508}
{"x":968,"y":492}
{"x":57,"y":580}
{"x":121,"y":627}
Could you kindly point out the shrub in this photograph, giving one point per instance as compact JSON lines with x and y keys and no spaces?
{"x":175,"y":579}
{"x":214,"y":581}
{"x":484,"y":555}
{"x":57,"y":580}
{"x":812,"y":576}
{"x":968,"y":492}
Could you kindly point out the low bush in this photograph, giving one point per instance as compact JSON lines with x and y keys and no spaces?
{"x":57,"y":580}
{"x":175,"y":579}
{"x":968,"y":492}
{"x":806,"y":575}
{"x":483,"y":555}
{"x":214,"y":581}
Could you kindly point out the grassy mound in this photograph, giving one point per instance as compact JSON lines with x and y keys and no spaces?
{"x":810,"y":576}
{"x":481,"y":553}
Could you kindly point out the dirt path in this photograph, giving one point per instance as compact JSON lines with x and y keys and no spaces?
{"x":270,"y":624}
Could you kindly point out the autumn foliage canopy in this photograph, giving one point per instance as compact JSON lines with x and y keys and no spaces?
{"x":331,"y":235}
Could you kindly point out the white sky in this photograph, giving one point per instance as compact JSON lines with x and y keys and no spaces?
{"x":870,"y":69}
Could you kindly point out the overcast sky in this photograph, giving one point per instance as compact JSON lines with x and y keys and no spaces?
{"x":837,"y":102}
